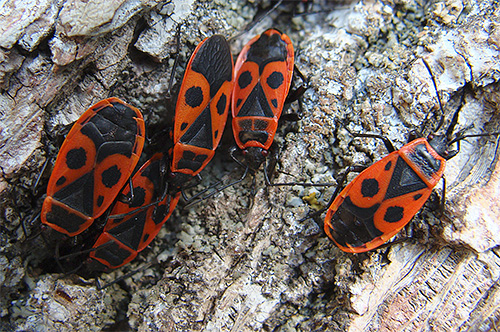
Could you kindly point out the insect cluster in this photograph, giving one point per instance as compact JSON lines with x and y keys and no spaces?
{"x":93,"y":176}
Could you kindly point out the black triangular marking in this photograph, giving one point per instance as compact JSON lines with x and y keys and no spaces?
{"x":200,"y":132}
{"x":79,"y":194}
{"x":256,"y":104}
{"x":404,"y":180}
{"x":130,"y":232}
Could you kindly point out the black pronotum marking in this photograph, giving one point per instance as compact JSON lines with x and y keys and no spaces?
{"x":214,"y":61}
{"x":426,"y":163}
{"x":252,"y":135}
{"x":267,"y":49}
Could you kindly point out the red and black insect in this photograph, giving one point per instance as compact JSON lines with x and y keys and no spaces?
{"x":94,"y":163}
{"x":142,"y":217}
{"x":201,"y":110}
{"x":200,"y":117}
{"x":263,"y":74}
{"x":384,"y":197}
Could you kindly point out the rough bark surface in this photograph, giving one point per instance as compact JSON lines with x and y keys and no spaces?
{"x":245,"y":259}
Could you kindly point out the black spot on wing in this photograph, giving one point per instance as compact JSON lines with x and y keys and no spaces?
{"x":394,"y":214}
{"x":61,"y":181}
{"x":221,"y":104}
{"x":369,"y":187}
{"x":275,"y":80}
{"x":160,"y":214}
{"x":388,"y":166}
{"x":100,"y":200}
{"x":139,"y":197}
{"x":76,"y":158}
{"x":194,"y":96}
{"x":214,"y":61}
{"x":244,"y":79}
{"x":184,"y":125}
{"x":111,"y":176}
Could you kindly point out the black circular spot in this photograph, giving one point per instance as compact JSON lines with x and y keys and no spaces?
{"x":184,"y":125}
{"x":111,"y":176}
{"x":245,"y":79}
{"x":139,"y":197}
{"x":61,"y":181}
{"x":417,"y":197}
{"x":100,"y":200}
{"x":275,"y":80}
{"x":274,"y":102}
{"x":394,"y":214}
{"x":369,"y":187}
{"x":221,"y":104}
{"x":76,"y":158}
{"x":388,"y":166}
{"x":194,"y":96}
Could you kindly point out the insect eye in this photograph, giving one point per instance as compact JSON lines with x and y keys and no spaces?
{"x":245,"y":152}
{"x":171,"y":175}
{"x":265,"y":153}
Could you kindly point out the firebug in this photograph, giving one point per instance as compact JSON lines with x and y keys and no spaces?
{"x":384,"y":197}
{"x":263,"y":74}
{"x":95,"y":161}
